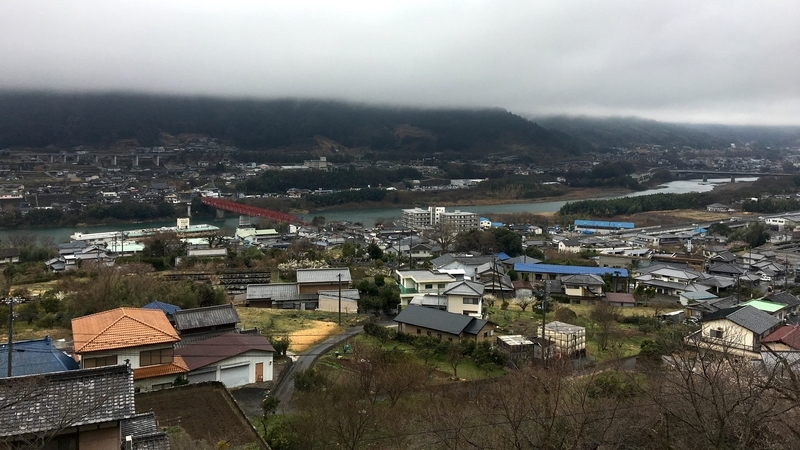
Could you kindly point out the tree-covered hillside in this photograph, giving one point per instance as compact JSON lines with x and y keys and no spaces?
{"x":62,"y":120}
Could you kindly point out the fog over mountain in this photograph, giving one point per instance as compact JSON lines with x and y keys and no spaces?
{"x":678,"y":61}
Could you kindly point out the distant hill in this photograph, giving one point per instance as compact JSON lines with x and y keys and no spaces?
{"x":61,"y":120}
{"x":604,"y":133}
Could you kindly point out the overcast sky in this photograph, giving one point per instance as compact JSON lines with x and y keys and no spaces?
{"x":687,"y":61}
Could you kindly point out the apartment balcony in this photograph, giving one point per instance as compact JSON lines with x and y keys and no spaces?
{"x":405,"y":290}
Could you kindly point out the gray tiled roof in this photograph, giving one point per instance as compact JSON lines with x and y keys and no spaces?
{"x":464,"y":288}
{"x":323,"y":275}
{"x":139,"y":424}
{"x":747,"y":317}
{"x":42,"y":403}
{"x":208,"y":316}
{"x":434,"y":319}
{"x":785,"y":298}
{"x":583,"y":280}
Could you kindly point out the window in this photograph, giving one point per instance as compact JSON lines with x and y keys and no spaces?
{"x":428,"y":333}
{"x":470,"y":301}
{"x":99,"y":361}
{"x":450,"y":339}
{"x":718,"y":333}
{"x":149,"y":358}
{"x":429,"y":286}
{"x":441,"y":286}
{"x":419,"y":331}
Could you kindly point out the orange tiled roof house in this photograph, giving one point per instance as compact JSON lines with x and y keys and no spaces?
{"x":144,"y":338}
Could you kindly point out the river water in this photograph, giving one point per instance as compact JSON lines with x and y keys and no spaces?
{"x":369,"y":216}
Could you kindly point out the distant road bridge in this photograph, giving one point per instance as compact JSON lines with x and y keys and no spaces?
{"x":706,"y":174}
{"x":251,"y":211}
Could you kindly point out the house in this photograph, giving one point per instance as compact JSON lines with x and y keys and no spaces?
{"x":34,"y":357}
{"x":465,"y":297}
{"x":330,"y":301}
{"x":784,"y":339}
{"x":737,"y":330}
{"x":621,"y":299}
{"x":233,"y":359}
{"x":311,"y":281}
{"x":583,"y":287}
{"x":413,"y":282}
{"x":200,"y":323}
{"x":522,"y":289}
{"x":143,"y":338}
{"x":72,"y":409}
{"x":277,"y":295}
{"x":569,"y":340}
{"x":779,"y":310}
{"x":9,"y":255}
{"x":786,"y":298}
{"x":569,"y":246}
{"x":141,"y":432}
{"x":166,"y":308}
{"x":557,"y":272}
{"x":417,"y":320}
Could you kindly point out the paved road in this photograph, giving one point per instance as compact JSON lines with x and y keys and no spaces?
{"x":285,"y":389}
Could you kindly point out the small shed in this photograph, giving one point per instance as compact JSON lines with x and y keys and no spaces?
{"x":621,"y":299}
{"x":569,"y":340}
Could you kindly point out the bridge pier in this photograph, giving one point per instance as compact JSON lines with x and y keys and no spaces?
{"x":244,"y":221}
{"x":220,"y":213}
{"x":114,"y":160}
{"x":705,"y":177}
{"x":733,"y":179}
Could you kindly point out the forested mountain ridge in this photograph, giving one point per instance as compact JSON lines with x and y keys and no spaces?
{"x":65,"y":120}
{"x":598,"y":133}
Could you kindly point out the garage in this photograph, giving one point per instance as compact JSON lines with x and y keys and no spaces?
{"x":236,"y":375}
{"x":201,"y":376}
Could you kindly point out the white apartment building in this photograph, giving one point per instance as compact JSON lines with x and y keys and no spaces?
{"x":426,"y":217}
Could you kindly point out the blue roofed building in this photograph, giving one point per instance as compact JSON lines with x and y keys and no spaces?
{"x":34,"y":357}
{"x":602,"y":226}
{"x":167,"y":308}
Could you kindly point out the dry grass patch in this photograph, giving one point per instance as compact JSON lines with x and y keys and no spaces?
{"x":316,"y":332}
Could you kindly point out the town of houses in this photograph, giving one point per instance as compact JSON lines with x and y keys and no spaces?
{"x":445,"y":294}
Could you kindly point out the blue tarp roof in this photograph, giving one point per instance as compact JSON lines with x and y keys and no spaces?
{"x":35,"y":357}
{"x":502,"y":256}
{"x":604,"y":224}
{"x":569,"y":270}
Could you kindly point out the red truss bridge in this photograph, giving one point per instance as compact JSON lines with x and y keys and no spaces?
{"x":252,"y":211}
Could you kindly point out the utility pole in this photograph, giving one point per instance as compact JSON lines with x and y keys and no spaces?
{"x":10,"y":332}
{"x":544,"y":313}
{"x":340,"y":299}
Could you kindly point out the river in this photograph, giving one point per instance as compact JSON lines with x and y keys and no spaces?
{"x":369,"y":216}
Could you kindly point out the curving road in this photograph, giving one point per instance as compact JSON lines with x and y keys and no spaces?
{"x":285,"y":389}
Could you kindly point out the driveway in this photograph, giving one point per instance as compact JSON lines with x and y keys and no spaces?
{"x":285,"y":389}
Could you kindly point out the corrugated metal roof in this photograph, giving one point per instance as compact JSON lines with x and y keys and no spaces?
{"x":323,"y":275}
{"x":277,"y":291}
{"x":208,"y":316}
{"x":604,"y":224}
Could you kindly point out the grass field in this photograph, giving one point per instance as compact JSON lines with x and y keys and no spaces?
{"x":304,"y":328}
{"x":625,"y":341}
{"x":467,"y":370}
